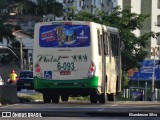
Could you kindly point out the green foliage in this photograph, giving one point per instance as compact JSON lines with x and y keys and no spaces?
{"x":125,"y":80}
{"x":29,"y":98}
{"x":6,"y":31}
{"x":39,"y":96}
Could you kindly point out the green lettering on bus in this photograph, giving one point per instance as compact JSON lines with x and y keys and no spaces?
{"x":65,"y":66}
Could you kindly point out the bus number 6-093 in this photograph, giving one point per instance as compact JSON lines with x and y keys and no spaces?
{"x":65,"y":66}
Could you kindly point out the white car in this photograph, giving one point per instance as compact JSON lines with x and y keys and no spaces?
{"x":1,"y":81}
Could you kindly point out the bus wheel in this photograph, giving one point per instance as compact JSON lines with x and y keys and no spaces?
{"x":46,"y":98}
{"x":94,"y":97}
{"x":64,"y":97}
{"x":55,"y":99}
{"x":111,"y":97}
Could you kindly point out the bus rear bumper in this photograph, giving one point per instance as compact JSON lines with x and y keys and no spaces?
{"x":74,"y":87}
{"x":72,"y":92}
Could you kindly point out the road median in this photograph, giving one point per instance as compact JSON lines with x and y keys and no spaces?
{"x":8,"y":94}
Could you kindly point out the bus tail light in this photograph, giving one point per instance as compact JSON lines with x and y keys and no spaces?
{"x":38,"y":70}
{"x":37,"y":67}
{"x":92,"y":69}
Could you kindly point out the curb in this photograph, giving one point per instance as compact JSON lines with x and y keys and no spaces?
{"x":139,"y":102}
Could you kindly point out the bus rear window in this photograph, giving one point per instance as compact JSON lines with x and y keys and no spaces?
{"x":61,"y":36}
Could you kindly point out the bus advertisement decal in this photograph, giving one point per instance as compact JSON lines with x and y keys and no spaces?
{"x":64,"y":36}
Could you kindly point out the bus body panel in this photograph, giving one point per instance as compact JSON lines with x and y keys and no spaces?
{"x":58,"y":63}
{"x":67,"y":66}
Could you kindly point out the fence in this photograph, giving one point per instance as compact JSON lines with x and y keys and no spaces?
{"x":141,"y":94}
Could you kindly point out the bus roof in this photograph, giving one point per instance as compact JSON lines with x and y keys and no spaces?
{"x":109,"y":28}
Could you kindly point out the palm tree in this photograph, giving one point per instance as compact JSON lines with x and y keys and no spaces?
{"x":5,"y":29}
{"x":6,"y":32}
{"x":42,"y":7}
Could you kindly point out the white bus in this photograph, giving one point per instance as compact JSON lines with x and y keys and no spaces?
{"x":76,"y":58}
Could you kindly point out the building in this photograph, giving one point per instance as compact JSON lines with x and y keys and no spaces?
{"x":86,"y":5}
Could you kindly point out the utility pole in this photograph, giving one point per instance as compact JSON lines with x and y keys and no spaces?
{"x":153,"y":75}
{"x":154,"y":54}
{"x":21,"y":53}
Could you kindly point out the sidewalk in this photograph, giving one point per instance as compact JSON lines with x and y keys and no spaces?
{"x":135,"y":102}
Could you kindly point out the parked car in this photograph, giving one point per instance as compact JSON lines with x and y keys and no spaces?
{"x":25,"y":80}
{"x":1,"y":81}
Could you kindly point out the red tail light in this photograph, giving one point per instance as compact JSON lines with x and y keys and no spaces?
{"x":92,"y":69}
{"x":38,"y":70}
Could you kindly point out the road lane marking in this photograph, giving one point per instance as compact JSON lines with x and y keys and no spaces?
{"x":114,"y":105}
{"x":100,"y":109}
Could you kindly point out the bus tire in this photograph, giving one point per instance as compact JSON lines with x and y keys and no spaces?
{"x":46,"y":98}
{"x":94,"y":96}
{"x":111,"y":97}
{"x":55,"y":99}
{"x":64,"y":97}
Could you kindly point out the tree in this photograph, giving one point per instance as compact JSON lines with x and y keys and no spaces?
{"x":42,"y":7}
{"x":126,"y":22}
{"x":6,"y":31}
{"x":6,"y":56}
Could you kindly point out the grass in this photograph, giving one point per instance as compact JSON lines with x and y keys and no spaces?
{"x":39,"y":96}
{"x":79,"y":98}
{"x":119,"y":98}
{"x":30,"y":98}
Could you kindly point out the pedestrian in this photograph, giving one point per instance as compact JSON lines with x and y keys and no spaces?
{"x":12,"y":77}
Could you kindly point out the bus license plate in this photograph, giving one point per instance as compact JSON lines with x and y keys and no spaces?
{"x":65,"y":72}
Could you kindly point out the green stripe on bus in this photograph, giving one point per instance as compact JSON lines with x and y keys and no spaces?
{"x":81,"y":83}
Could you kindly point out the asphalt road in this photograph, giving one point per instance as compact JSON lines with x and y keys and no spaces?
{"x":83,"y":109}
